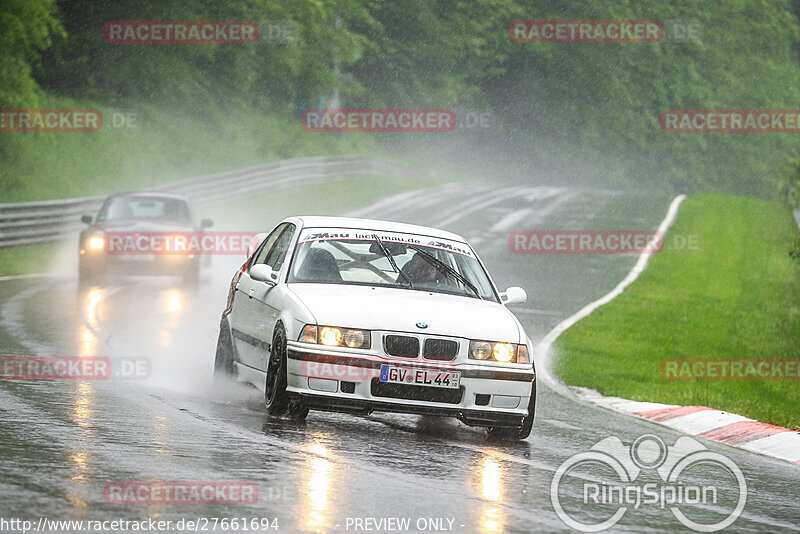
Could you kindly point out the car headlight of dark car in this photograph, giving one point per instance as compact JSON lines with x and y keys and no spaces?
{"x":95,"y":242}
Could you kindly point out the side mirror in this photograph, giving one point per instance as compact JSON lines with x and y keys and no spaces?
{"x":206,"y":223}
{"x":263,"y":273}
{"x":514,"y":295}
{"x":87,"y":219}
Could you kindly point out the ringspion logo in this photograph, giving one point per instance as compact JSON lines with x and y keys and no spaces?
{"x":180,"y":32}
{"x":378,"y":120}
{"x":585,"y":31}
{"x":593,"y":490}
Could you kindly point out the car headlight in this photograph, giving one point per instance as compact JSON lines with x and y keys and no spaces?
{"x":499,"y":352}
{"x":96,"y":243}
{"x":334,"y":336}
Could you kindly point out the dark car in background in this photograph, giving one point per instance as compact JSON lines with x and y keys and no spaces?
{"x":131,"y":236}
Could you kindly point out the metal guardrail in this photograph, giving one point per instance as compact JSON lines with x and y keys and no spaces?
{"x":25,"y":223}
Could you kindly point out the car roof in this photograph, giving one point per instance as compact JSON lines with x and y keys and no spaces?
{"x":155,"y":194}
{"x":374,"y":224}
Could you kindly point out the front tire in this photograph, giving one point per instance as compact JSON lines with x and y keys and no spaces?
{"x":224,"y":359}
{"x":191,"y":277}
{"x":520,"y":432}
{"x":276,"y":398}
{"x":89,"y":275}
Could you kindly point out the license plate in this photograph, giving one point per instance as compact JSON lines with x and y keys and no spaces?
{"x":420,"y":377}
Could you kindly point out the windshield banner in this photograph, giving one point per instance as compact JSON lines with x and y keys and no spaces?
{"x":328,"y":234}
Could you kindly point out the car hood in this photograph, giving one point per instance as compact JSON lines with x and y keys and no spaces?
{"x":380,"y":308}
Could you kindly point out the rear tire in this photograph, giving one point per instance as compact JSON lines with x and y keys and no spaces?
{"x":276,"y":398}
{"x":520,"y":432}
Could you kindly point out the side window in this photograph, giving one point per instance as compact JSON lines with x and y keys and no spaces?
{"x":277,"y":255}
{"x":266,"y":246}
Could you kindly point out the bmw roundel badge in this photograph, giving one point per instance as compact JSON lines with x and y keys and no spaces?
{"x":422,"y":325}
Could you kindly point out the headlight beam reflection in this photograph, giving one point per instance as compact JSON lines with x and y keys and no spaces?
{"x":492,"y":518}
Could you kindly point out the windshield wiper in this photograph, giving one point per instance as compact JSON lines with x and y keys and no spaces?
{"x":449,"y":270}
{"x":391,"y":261}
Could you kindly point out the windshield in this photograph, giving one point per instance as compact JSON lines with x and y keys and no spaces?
{"x":148,"y":208}
{"x":366,"y":257}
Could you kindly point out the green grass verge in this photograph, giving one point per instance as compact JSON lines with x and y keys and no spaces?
{"x":165,"y":145}
{"x":25,"y":259}
{"x":737,"y":297}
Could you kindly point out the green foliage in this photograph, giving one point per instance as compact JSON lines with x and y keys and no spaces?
{"x":605,"y":99}
{"x":26,"y":28}
{"x":790,"y":181}
{"x":581,"y":109}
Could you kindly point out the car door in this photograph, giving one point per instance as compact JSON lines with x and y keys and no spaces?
{"x":248,"y":325}
{"x":266,"y":300}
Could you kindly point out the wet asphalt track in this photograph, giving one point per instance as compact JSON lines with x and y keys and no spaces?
{"x":62,"y":442}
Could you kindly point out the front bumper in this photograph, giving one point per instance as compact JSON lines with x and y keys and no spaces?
{"x":339,"y":380}
{"x":139,"y":264}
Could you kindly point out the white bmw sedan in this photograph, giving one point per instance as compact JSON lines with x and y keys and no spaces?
{"x":360,"y":315}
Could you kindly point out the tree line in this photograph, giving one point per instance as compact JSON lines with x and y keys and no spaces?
{"x":590,"y":107}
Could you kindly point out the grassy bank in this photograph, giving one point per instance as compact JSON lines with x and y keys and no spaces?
{"x":159,"y":146}
{"x":737,"y":297}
